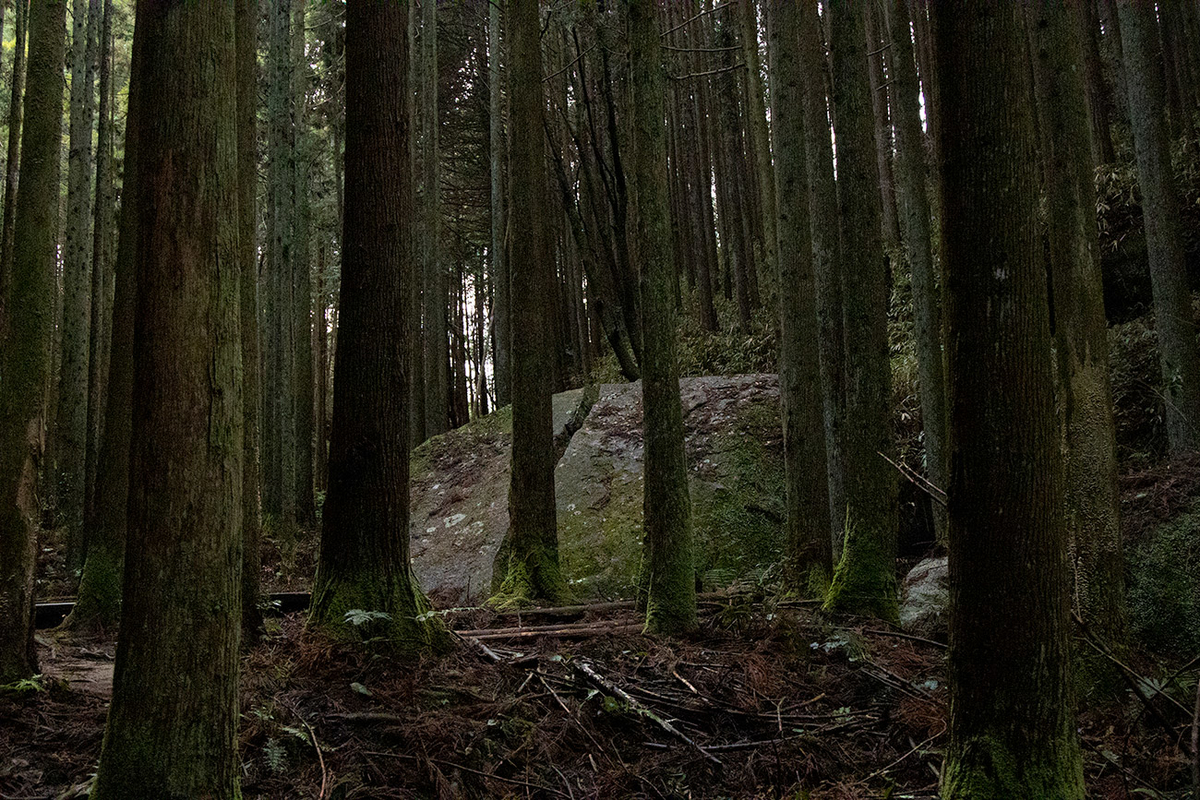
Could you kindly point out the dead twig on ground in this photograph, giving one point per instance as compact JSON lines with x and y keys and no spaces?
{"x":908,"y":636}
{"x":610,"y":687}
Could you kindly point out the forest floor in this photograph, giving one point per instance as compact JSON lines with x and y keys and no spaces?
{"x":769,"y":700}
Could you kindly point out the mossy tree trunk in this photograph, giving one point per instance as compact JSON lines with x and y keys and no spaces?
{"x":1092,"y":501}
{"x":1012,"y":724}
{"x":364,"y":561}
{"x":246,"y":21}
{"x":865,"y":580}
{"x":670,"y":568}
{"x":25,"y":355}
{"x":98,"y":605}
{"x":528,"y":559}
{"x":70,"y":428}
{"x":1179,"y":351}
{"x":809,"y":547}
{"x":172,"y":725}
{"x":823,"y":224}
{"x":915,"y":216}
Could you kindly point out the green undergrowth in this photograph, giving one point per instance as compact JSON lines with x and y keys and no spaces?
{"x":1163,"y":570}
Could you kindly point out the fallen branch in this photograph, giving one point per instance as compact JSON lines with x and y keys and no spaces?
{"x":320,"y":758}
{"x":895,"y":763}
{"x":936,"y":493}
{"x":1134,"y":680}
{"x":610,"y":687}
{"x":909,"y":636}
{"x":562,"y":632}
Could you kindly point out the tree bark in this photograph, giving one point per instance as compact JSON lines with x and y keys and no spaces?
{"x":1179,"y":352}
{"x":914,"y":210}
{"x":102,"y":275}
{"x":364,"y":561}
{"x":879,"y":63}
{"x":759,"y":139}
{"x":246,"y":22}
{"x":1012,"y":722}
{"x":1099,"y":91}
{"x":809,"y":547}
{"x":279,"y":428}
{"x":302,"y":294}
{"x":436,"y":295}
{"x":865,"y":579}
{"x":823,"y":224}
{"x":527,"y":564}
{"x":172,"y":725}
{"x":98,"y":601}
{"x":1091,"y":497}
{"x":669,"y":574}
{"x":12,"y":160}
{"x":501,"y":328}
{"x":25,"y":357}
{"x":70,"y":430}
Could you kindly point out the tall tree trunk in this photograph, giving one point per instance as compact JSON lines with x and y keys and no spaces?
{"x":172,"y":725}
{"x":1114,"y":57}
{"x":823,"y":219}
{"x":759,"y":140}
{"x":279,"y":429}
{"x":527,"y":562}
{"x":70,"y":430}
{"x":364,"y":562}
{"x":1012,"y":722}
{"x":914,"y":210}
{"x":416,"y":229}
{"x":879,"y":64}
{"x":1179,"y":352}
{"x":25,"y":357}
{"x":436,"y":314}
{"x":1099,"y":92}
{"x":102,"y":274}
{"x":809,"y":547}
{"x":700,"y":185}
{"x":321,"y":345}
{"x":12,"y":160}
{"x":704,"y":183}
{"x":865,"y":579}
{"x":98,"y":601}
{"x":669,"y":574}
{"x":501,"y":330}
{"x":246,"y":22}
{"x":302,"y":299}
{"x":1091,"y":498}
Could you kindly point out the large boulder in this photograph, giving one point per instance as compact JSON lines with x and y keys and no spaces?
{"x":735,"y":452}
{"x":925,"y":599}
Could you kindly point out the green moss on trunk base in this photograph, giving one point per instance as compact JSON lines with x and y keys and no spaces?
{"x":985,"y":767}
{"x":864,"y":581}
{"x":99,"y":605}
{"x":535,"y":574}
{"x":408,"y":629}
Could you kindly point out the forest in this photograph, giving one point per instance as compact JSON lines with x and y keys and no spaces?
{"x":600,"y":399}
